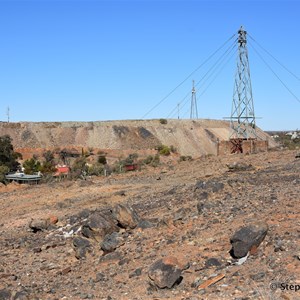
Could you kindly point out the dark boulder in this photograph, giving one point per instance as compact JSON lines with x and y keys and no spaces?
{"x":144,"y":224}
{"x":79,"y":242}
{"x":111,"y":242}
{"x":81,"y":246}
{"x":165,"y":272}
{"x":235,"y":167}
{"x":212,"y":262}
{"x":98,"y":225}
{"x":247,"y":238}
{"x":5,"y":294}
{"x":213,"y":186}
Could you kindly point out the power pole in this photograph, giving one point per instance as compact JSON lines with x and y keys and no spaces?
{"x":242,"y":120}
{"x":194,"y":109}
{"x":7,"y":113}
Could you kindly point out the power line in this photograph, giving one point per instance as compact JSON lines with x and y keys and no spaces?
{"x":215,"y":70}
{"x":216,"y":76}
{"x":274,"y":73}
{"x":182,"y":82}
{"x":281,"y":64}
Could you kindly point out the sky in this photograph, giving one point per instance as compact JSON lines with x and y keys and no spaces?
{"x":96,"y":60}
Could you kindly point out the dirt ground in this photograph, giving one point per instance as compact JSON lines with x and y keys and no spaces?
{"x":43,"y":264}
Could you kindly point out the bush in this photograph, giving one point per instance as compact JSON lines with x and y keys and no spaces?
{"x":49,"y":156}
{"x":96,"y":169}
{"x":131,"y":159}
{"x":102,"y":160}
{"x":31,"y":166}
{"x":164,"y":150}
{"x":163,"y":121}
{"x":3,"y":171}
{"x":152,"y":160}
{"x":79,"y":167}
{"x":48,"y":166}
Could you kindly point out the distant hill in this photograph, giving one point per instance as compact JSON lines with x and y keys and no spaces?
{"x":189,"y":137}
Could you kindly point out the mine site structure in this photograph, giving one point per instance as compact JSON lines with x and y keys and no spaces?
{"x":194,"y":108}
{"x":243,"y":134}
{"x":242,"y":119}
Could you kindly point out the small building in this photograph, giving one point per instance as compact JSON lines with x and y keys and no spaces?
{"x":62,"y":171}
{"x":131,"y":167}
{"x":23,"y":178}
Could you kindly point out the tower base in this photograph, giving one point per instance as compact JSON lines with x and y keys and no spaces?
{"x":245,"y":146}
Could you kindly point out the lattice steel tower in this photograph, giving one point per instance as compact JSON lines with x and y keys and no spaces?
{"x":194,"y":109}
{"x":242,"y":113}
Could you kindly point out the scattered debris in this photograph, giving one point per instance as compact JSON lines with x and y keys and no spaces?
{"x":211,"y":281}
{"x":93,"y":252}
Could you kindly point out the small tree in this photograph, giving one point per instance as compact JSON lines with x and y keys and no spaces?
{"x":31,"y":166}
{"x":48,"y":165}
{"x":8,"y":157}
{"x":49,"y":156}
{"x":3,"y":171}
{"x":80,"y":167}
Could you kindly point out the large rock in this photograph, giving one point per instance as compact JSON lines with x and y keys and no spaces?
{"x":111,"y":242}
{"x":39,"y":224}
{"x":247,"y":238}
{"x":98,"y":225}
{"x":213,"y":186}
{"x":236,"y":166}
{"x":5,"y":294}
{"x":81,"y":246}
{"x":126,"y":216}
{"x":165,"y":272}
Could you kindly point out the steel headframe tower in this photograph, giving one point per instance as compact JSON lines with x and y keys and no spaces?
{"x":194,"y":109}
{"x":242,"y":113}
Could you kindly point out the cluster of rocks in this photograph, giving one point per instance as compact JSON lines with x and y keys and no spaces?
{"x":216,"y":237}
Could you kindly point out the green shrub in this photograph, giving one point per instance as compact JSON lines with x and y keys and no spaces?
{"x":148,"y":160}
{"x":152,"y":160}
{"x":96,"y":169}
{"x":31,"y":166}
{"x":48,"y":166}
{"x":164,"y":150}
{"x":79,"y":166}
{"x":163,"y":121}
{"x":3,"y":171}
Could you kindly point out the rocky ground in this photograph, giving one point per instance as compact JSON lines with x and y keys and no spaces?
{"x":164,"y":233}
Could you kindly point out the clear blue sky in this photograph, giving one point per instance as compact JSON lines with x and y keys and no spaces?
{"x":109,"y":60}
